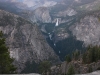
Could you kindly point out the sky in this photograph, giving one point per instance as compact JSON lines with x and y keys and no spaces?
{"x":31,"y":3}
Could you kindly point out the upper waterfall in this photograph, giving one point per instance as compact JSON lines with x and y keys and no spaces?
{"x":57,"y":23}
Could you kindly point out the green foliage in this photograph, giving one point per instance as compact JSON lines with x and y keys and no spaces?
{"x":30,"y":68}
{"x":71,"y":70}
{"x":68,"y":58}
{"x":91,"y":55}
{"x":76,"y":55}
{"x":44,"y":67}
{"x":6,"y":66}
{"x":84,"y":58}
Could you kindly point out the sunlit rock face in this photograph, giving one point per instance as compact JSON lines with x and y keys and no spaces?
{"x":25,"y":41}
{"x":41,"y":14}
{"x":71,"y":12}
{"x":87,"y":30}
{"x":68,"y":12}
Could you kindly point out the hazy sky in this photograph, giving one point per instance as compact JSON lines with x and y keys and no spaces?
{"x":31,"y":3}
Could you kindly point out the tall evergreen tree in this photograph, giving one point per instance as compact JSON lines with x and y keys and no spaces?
{"x":44,"y":67}
{"x":71,"y":70}
{"x":6,"y":66}
{"x":68,"y":58}
{"x":76,"y":55}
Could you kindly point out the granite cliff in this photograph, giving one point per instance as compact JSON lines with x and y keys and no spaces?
{"x":87,"y":29}
{"x":40,"y":15}
{"x":25,"y":41}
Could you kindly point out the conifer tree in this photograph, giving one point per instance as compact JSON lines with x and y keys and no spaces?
{"x":76,"y":55}
{"x":68,"y":58}
{"x":6,"y":66}
{"x":44,"y":67}
{"x":71,"y":70}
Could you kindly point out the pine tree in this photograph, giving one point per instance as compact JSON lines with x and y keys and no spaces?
{"x":84,"y":58}
{"x":68,"y":58}
{"x":6,"y":66}
{"x":76,"y":55}
{"x":71,"y":70}
{"x":44,"y":67}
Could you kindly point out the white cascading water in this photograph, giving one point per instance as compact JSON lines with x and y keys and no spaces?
{"x":57,"y":23}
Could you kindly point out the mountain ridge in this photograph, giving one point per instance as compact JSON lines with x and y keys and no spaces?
{"x":25,"y":41}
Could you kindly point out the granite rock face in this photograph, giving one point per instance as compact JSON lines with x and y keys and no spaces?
{"x":68,"y":12}
{"x":40,"y":14}
{"x":25,"y":41}
{"x":87,"y":30}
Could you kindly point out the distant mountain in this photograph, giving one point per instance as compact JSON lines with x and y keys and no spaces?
{"x":78,"y":20}
{"x":8,"y":6}
{"x":78,"y":27}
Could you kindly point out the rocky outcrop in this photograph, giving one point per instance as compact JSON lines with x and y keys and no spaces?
{"x":25,"y":41}
{"x":93,"y":73}
{"x":41,"y":14}
{"x":68,"y":12}
{"x":87,"y":30}
{"x":78,"y":66}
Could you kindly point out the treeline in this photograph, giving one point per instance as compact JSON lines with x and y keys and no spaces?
{"x":74,"y":56}
{"x":92,"y":54}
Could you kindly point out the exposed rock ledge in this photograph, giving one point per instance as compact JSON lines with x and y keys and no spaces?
{"x":93,"y":73}
{"x":78,"y":66}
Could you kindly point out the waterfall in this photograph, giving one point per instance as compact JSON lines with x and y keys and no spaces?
{"x":57,"y":23}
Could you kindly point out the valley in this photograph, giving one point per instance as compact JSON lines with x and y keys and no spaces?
{"x":42,"y":30}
